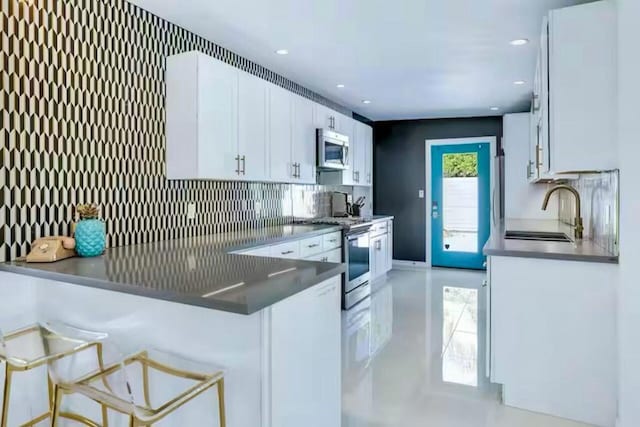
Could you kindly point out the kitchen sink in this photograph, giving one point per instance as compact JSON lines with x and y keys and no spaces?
{"x":541,"y":236}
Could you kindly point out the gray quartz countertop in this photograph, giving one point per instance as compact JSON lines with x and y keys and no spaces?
{"x":584,"y":250}
{"x":198,"y":271}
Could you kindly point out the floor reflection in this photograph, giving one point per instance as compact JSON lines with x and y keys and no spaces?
{"x":460,"y":333}
{"x":414,"y":355}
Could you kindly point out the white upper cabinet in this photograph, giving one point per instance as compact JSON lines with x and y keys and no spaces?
{"x":304,"y":140}
{"x":226,"y":124}
{"x":252,"y":128}
{"x":582,"y":75}
{"x":280,"y":134}
{"x":202,"y":118}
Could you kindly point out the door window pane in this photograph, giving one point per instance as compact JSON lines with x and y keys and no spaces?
{"x":460,"y":202}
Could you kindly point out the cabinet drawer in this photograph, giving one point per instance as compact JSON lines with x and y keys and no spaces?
{"x":332,"y":240}
{"x":379,"y":228}
{"x":286,"y":250}
{"x":334,"y":255}
{"x":311,"y":246}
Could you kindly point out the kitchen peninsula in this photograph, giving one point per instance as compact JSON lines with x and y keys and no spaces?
{"x":272,"y":324}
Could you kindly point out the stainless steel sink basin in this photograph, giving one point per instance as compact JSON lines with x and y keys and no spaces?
{"x":541,"y":236}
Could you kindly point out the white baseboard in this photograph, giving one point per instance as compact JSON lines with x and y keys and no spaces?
{"x":409,"y":265}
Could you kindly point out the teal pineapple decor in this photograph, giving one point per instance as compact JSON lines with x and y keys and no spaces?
{"x":90,"y":231}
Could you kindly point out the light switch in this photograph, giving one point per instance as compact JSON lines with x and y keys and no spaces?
{"x":421,"y":194}
{"x":191,"y":211}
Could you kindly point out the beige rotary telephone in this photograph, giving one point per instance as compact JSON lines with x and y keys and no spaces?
{"x":51,"y":249}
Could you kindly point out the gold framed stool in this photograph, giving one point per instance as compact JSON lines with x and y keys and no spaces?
{"x":33,"y":346}
{"x":125,"y":386}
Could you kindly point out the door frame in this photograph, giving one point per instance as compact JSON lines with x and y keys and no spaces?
{"x":492,"y":140}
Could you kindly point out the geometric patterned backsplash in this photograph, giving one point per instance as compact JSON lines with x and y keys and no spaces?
{"x":82,"y":96}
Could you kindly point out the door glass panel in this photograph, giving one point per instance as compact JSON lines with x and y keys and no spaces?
{"x":460,"y":202}
{"x":460,"y":336}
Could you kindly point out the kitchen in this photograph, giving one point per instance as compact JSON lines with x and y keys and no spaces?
{"x":201,"y":179}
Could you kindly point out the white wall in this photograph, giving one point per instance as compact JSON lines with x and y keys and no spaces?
{"x":629,"y":146}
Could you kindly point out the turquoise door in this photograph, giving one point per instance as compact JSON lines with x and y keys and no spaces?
{"x":460,"y":207}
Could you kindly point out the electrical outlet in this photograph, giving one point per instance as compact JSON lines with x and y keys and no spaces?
{"x":421,"y":194}
{"x":191,"y":211}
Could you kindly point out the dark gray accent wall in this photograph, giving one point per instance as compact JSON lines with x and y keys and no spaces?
{"x":400,"y":168}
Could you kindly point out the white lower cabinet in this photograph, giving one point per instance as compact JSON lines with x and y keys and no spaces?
{"x":306,"y":357}
{"x":553,"y":336}
{"x":381,"y":248}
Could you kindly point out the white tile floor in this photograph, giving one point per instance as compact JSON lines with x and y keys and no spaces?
{"x":414,"y":356}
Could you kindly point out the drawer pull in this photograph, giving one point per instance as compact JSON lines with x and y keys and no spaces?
{"x":315,"y":245}
{"x":333,"y":240}
{"x":325,"y":259}
{"x":286,"y":252}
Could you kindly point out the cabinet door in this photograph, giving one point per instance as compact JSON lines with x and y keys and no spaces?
{"x":217,"y":119}
{"x":374,"y":257}
{"x":304,"y":140}
{"x":367,"y":143}
{"x":252,"y":127}
{"x":305,"y":359}
{"x":544,"y":142}
{"x":349,"y":176}
{"x":382,"y":258}
{"x":389,"y":246}
{"x":280,"y":164}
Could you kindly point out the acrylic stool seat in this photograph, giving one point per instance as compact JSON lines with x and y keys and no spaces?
{"x":33,"y":346}
{"x":128,"y":384}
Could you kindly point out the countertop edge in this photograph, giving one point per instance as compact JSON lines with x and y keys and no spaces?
{"x":162,"y":295}
{"x":604,"y":259}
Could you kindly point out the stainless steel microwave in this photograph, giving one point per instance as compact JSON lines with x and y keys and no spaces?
{"x":333,"y":150}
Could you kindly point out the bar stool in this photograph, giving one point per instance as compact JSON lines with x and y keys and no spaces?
{"x":125,"y":387}
{"x":36,"y":345}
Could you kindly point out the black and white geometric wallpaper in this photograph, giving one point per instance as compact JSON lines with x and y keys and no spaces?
{"x":82,"y":95}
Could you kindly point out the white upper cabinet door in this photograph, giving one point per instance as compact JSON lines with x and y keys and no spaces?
{"x":583,"y":91}
{"x":362,"y":173}
{"x":252,"y":127}
{"x":349,"y":176}
{"x":202,"y":118}
{"x":369,"y":158}
{"x":280,"y":133}
{"x":304,"y":140}
{"x":217,"y":119}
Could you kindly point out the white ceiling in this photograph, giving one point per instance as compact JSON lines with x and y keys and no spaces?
{"x":411,"y":58}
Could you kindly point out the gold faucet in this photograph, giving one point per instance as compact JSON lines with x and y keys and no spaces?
{"x":579,"y":228}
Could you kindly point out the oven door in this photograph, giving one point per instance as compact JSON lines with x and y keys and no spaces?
{"x":333,"y":150}
{"x":357,"y":257}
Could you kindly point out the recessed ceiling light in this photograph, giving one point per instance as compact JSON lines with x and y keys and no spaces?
{"x":366,"y":101}
{"x":494,"y":108}
{"x":519,"y":82}
{"x":282,"y":52}
{"x":519,"y":42}
{"x":340,"y":86}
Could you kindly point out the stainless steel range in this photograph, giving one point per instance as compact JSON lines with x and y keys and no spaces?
{"x":355,"y":284}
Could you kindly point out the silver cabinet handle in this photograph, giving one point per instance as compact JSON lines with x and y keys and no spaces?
{"x":286,"y":252}
{"x":237,"y":165}
{"x":379,"y":244}
{"x":325,"y":259}
{"x":244,"y":164}
{"x":333,"y":240}
{"x":315,"y":245}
